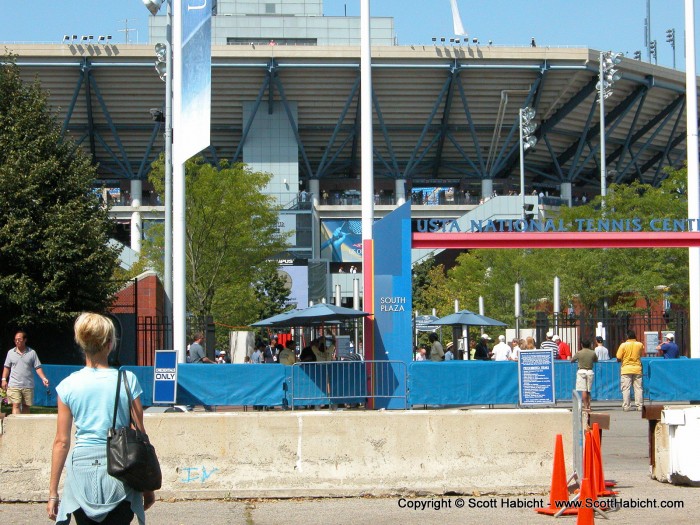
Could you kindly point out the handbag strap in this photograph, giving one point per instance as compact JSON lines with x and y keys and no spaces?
{"x":116,"y":398}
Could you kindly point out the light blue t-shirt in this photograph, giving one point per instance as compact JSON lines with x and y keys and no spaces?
{"x":89,"y":394}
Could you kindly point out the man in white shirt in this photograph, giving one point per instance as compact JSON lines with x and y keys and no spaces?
{"x":501,"y":351}
{"x":600,"y":350}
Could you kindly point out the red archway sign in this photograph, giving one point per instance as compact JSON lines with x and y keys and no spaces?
{"x":522,"y":240}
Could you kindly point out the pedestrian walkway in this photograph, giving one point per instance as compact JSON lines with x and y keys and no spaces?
{"x":624,"y":449}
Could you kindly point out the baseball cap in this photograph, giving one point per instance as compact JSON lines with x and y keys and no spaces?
{"x":550,"y":334}
{"x":669,"y":336}
{"x":501,"y":337}
{"x":485,"y":336}
{"x":223,"y":352}
{"x":555,"y":337}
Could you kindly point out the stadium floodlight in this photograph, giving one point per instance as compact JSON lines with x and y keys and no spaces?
{"x":608,"y":75}
{"x":153,"y":5}
{"x":66,"y":38}
{"x":671,"y":39}
{"x":527,"y":142}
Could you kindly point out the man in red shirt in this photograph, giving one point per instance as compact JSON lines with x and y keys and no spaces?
{"x":564,"y":349}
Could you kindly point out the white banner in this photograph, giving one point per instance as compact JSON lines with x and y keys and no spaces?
{"x":192,"y":78}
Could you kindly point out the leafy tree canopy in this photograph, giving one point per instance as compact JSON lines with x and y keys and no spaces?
{"x":231,"y":239}
{"x":54,"y":256}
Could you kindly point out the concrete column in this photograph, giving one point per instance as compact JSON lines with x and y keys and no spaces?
{"x":136,"y":191}
{"x":400,"y":191}
{"x":136,"y":224}
{"x":315,"y":190}
{"x":136,"y":231}
{"x":566,"y":192}
{"x":486,"y":188}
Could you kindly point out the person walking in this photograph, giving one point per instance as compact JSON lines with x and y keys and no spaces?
{"x":18,"y":374}
{"x":630,"y":354}
{"x":86,"y":398}
{"x":585,"y":358}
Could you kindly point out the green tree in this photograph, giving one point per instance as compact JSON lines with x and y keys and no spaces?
{"x":271,"y":292}
{"x":231,"y":236}
{"x":587,"y":276}
{"x":624,"y":275}
{"x":54,"y":256}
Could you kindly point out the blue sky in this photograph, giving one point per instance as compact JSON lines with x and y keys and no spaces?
{"x":506,"y":22}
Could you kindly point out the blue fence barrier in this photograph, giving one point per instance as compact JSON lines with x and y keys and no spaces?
{"x":429,"y":383}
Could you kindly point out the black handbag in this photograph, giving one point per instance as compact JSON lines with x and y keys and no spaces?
{"x":130,"y":456}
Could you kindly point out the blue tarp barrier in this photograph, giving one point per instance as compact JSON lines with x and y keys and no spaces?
{"x":429,"y":383}
{"x":207,"y":384}
{"x":462,"y":383}
{"x":673,"y":379}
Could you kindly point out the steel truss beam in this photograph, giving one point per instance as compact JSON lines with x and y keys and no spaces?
{"x":427,"y":154}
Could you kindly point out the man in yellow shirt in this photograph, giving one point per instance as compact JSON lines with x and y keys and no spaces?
{"x":630,"y":354}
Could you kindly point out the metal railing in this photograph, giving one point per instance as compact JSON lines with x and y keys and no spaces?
{"x":347,"y":382}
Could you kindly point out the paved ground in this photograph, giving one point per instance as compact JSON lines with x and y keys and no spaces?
{"x":625,"y":460}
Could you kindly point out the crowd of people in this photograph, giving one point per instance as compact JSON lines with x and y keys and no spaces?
{"x":629,"y":354}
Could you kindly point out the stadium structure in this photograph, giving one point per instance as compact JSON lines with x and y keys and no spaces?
{"x":285,"y":100}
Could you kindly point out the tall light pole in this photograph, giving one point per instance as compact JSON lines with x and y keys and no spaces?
{"x":367,"y":177}
{"x":167,"y":50}
{"x":691,"y":97}
{"x":608,"y":75}
{"x":527,"y":141}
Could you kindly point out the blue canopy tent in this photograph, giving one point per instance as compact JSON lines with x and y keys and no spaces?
{"x":467,"y":318}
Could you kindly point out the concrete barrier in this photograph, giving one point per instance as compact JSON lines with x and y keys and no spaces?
{"x":315,"y":454}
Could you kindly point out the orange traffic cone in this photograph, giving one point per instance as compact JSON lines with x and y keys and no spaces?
{"x":559,"y":491}
{"x":586,"y":513}
{"x":589,"y":468}
{"x":599,"y":482}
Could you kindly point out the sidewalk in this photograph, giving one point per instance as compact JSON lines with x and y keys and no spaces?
{"x":624,"y":449}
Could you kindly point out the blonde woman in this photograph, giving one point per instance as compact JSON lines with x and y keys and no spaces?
{"x":86,"y":398}
{"x":530,"y":343}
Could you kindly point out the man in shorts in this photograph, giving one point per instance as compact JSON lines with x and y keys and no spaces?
{"x":18,"y":375}
{"x":584,"y":377}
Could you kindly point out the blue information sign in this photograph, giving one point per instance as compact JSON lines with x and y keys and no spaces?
{"x":165,"y":377}
{"x":536,"y":377}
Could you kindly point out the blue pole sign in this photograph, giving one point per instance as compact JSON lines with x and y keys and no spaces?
{"x":536,"y":378}
{"x":165,"y":377}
